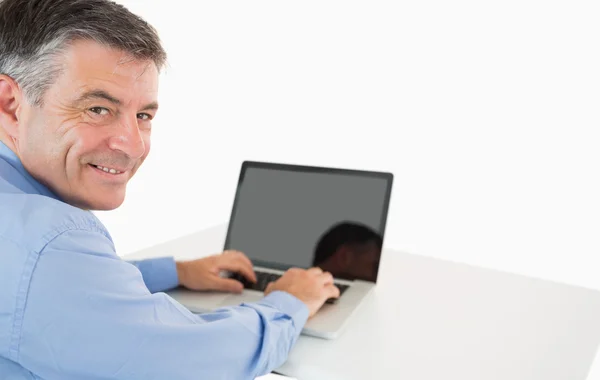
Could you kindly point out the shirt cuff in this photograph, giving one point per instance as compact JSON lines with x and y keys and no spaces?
{"x":159,"y":274}
{"x":289,"y":305}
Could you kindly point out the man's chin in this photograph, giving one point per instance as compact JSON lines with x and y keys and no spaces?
{"x":107,"y":203}
{"x":100,"y":203}
{"x":107,"y":206}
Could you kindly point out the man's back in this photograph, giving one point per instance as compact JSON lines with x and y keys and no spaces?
{"x":30,"y":218}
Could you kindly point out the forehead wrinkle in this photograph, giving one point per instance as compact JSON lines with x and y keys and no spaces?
{"x":143,"y":71}
{"x":126,"y":59}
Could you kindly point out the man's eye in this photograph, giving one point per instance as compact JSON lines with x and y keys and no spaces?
{"x":100,"y":111}
{"x":144,"y":116}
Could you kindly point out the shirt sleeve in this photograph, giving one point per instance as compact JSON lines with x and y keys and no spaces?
{"x":90,"y":315}
{"x":159,"y":274}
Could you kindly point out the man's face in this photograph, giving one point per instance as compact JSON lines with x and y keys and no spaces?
{"x":93,"y":131}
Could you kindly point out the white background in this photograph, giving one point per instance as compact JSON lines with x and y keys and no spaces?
{"x":487,"y":112}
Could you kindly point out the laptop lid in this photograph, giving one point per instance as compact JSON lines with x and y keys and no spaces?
{"x":287,"y":216}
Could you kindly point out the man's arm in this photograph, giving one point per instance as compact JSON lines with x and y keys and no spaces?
{"x":90,"y":315}
{"x":159,"y":274}
{"x":162,"y":274}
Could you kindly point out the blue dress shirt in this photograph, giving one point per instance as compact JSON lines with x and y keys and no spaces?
{"x":71,"y":309}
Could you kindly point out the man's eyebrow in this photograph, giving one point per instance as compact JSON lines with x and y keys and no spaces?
{"x":150,"y":107}
{"x":101,"y":94}
{"x":98,"y":94}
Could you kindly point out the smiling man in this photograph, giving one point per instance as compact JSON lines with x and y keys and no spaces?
{"x":78,"y":92}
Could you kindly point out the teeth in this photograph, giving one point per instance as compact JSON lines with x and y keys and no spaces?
{"x":108,"y":170}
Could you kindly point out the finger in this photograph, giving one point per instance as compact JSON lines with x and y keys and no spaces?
{"x":231,"y":252}
{"x":332,"y":291}
{"x":269,"y":287}
{"x":235,"y":264}
{"x":227,"y":285}
{"x":315,"y":270}
{"x":326,"y":277}
{"x":240,"y":255}
{"x":243,"y":257}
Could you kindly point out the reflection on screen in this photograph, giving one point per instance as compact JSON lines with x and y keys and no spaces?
{"x":304,"y":219}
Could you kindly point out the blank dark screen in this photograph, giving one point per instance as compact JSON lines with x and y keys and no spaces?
{"x":280,"y":216}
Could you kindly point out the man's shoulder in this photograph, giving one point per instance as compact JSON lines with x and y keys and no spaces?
{"x":32,"y":220}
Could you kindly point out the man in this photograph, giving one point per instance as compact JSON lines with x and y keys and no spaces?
{"x":78,"y":90}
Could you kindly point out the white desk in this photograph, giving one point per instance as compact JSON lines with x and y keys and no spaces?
{"x":430,"y":320}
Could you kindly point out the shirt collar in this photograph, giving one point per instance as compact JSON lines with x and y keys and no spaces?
{"x":9,"y":156}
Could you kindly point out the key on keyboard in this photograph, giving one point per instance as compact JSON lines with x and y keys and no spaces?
{"x":264,"y":278}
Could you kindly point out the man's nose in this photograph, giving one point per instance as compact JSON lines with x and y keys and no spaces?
{"x":128,"y":138}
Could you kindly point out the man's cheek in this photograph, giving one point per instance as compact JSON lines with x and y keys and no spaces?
{"x":148,"y":145}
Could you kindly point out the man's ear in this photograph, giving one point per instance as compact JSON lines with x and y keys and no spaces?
{"x":10,"y":102}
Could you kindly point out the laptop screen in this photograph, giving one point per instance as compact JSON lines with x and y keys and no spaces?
{"x":287,"y":216}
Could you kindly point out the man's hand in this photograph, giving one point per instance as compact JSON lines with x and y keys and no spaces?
{"x":312,"y":286}
{"x":204,"y":273}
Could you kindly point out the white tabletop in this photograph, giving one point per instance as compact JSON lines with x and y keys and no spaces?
{"x":430,"y":319}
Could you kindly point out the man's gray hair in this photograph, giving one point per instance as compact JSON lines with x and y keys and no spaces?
{"x":34,"y":33}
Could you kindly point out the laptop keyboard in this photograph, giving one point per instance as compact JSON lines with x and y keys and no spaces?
{"x":264,"y":278}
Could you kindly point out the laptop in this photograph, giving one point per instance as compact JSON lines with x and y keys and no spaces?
{"x":286,"y":216}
